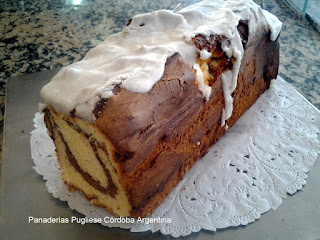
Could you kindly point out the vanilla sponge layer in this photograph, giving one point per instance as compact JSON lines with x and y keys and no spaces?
{"x":80,"y":145}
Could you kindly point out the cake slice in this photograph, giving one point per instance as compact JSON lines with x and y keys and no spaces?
{"x":131,"y":118}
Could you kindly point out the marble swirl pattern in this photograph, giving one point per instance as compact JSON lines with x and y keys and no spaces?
{"x":40,"y":35}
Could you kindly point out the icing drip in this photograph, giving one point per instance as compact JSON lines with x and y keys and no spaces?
{"x":227,"y":78}
{"x":274,"y":24}
{"x":134,"y":59}
{"x":205,"y":89}
{"x":230,"y":77}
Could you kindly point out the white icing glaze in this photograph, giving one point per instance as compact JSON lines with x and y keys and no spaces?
{"x":230,"y":77}
{"x":135,"y":57}
{"x":274,"y":24}
{"x":227,"y":82}
{"x":204,"y":54}
{"x":205,"y":89}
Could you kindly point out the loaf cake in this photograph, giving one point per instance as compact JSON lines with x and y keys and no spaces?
{"x":131,"y":118}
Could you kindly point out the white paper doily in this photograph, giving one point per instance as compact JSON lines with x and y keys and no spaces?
{"x":263,"y":157}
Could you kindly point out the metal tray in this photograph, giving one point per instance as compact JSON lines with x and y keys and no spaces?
{"x":23,"y":192}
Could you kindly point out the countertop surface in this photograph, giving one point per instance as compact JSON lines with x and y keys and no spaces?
{"x":40,"y":35}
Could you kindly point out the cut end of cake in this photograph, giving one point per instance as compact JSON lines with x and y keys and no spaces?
{"x":86,"y":159}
